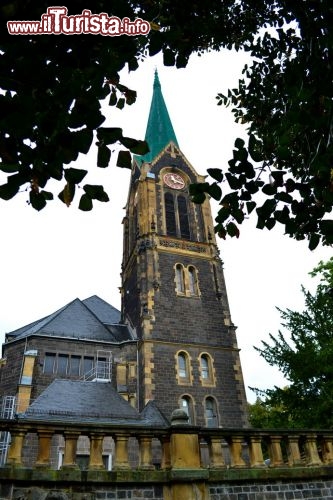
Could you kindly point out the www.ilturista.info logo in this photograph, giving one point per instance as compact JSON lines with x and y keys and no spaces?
{"x":56,"y":22}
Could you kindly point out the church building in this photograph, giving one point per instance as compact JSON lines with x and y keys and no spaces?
{"x":173,"y":344}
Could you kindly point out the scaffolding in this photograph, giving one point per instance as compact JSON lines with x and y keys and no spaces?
{"x":7,"y":411}
{"x":102,"y":369}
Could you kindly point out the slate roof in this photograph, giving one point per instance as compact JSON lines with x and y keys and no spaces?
{"x":92,"y":319}
{"x":76,"y":400}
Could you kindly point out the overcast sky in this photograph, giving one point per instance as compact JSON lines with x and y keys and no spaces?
{"x":50,"y":258}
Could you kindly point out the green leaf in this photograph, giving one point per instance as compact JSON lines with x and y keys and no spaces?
{"x":8,"y":191}
{"x":233,"y":181}
{"x":75,"y":175}
{"x":112,"y":100}
{"x":124,"y":159}
{"x":255,"y":149}
{"x":96,"y":192}
{"x":103,"y":156}
{"x":120,"y":103}
{"x":232,"y":230}
{"x":270,"y":223}
{"x":37,"y":200}
{"x":67,"y":194}
{"x":109,"y":135}
{"x":9,"y":168}
{"x":216,"y":173}
{"x":86,"y":203}
{"x":47,"y":195}
{"x":198,"y":198}
{"x":168,"y":57}
{"x":137,"y":147}
{"x":314,"y":241}
{"x":269,"y":189}
{"x":250,"y":205}
{"x":283,"y":196}
{"x":215,"y":191}
{"x":239,"y":143}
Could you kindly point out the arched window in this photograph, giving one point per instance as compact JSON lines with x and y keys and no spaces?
{"x":170,"y":216}
{"x":192,"y":281}
{"x":211,"y":412}
{"x":204,"y":363}
{"x":206,"y":370}
{"x":183,"y":217}
{"x":180,"y":282}
{"x":186,"y":404}
{"x":182,"y":365}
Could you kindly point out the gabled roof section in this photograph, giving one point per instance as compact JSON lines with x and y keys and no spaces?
{"x":105,"y":312}
{"x":159,"y":130}
{"x":91,"y":319}
{"x":81,"y":401}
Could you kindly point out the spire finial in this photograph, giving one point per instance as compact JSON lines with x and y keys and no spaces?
{"x":156,"y":79}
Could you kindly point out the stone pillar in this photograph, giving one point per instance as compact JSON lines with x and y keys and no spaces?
{"x":14,"y":456}
{"x":216,"y":453}
{"x":44,"y":448}
{"x":70,"y":450}
{"x":312,"y":450}
{"x":294,"y":456}
{"x":275,"y":452}
{"x":121,"y":452}
{"x":96,"y":456}
{"x":185,"y":458}
{"x":166,"y":457}
{"x":327,"y":448}
{"x":256,"y":457}
{"x":145,"y":453}
{"x":236,"y":445}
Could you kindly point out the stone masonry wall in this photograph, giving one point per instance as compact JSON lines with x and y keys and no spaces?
{"x":310,"y":490}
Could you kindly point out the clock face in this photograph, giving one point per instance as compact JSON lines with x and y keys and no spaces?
{"x":175,"y":181}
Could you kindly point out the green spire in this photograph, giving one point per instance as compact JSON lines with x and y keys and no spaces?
{"x":159,"y":130}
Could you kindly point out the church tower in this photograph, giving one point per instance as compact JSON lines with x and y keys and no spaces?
{"x":173,"y":290}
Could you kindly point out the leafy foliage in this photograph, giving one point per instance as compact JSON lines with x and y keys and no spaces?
{"x":288,"y":107}
{"x":50,"y":111}
{"x":305,"y":360}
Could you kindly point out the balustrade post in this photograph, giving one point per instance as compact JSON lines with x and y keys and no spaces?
{"x":312,"y":450}
{"x":294,"y":456}
{"x":166,"y":457}
{"x":275,"y":452}
{"x":70,"y":450}
{"x":256,"y":456}
{"x":216,"y":453}
{"x":121,"y":452}
{"x":236,"y":445}
{"x":14,"y":456}
{"x":145,"y":453}
{"x":44,"y":448}
{"x":327,"y":449}
{"x":96,"y":448}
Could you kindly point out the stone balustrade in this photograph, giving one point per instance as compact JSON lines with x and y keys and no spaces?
{"x":176,"y":447}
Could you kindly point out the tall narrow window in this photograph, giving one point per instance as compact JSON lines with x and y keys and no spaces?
{"x":187,"y":405}
{"x":192,"y":281}
{"x":170,"y":216}
{"x":182,"y":365}
{"x":88,"y":365}
{"x":204,"y":367}
{"x":62,"y":364}
{"x":183,"y":218}
{"x":180,"y":284}
{"x":74,"y":367}
{"x":49,"y":363}
{"x":210,"y":412}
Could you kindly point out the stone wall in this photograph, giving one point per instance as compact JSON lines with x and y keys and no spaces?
{"x":274,"y":491}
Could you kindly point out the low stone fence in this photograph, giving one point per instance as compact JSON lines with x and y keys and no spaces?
{"x":176,"y":462}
